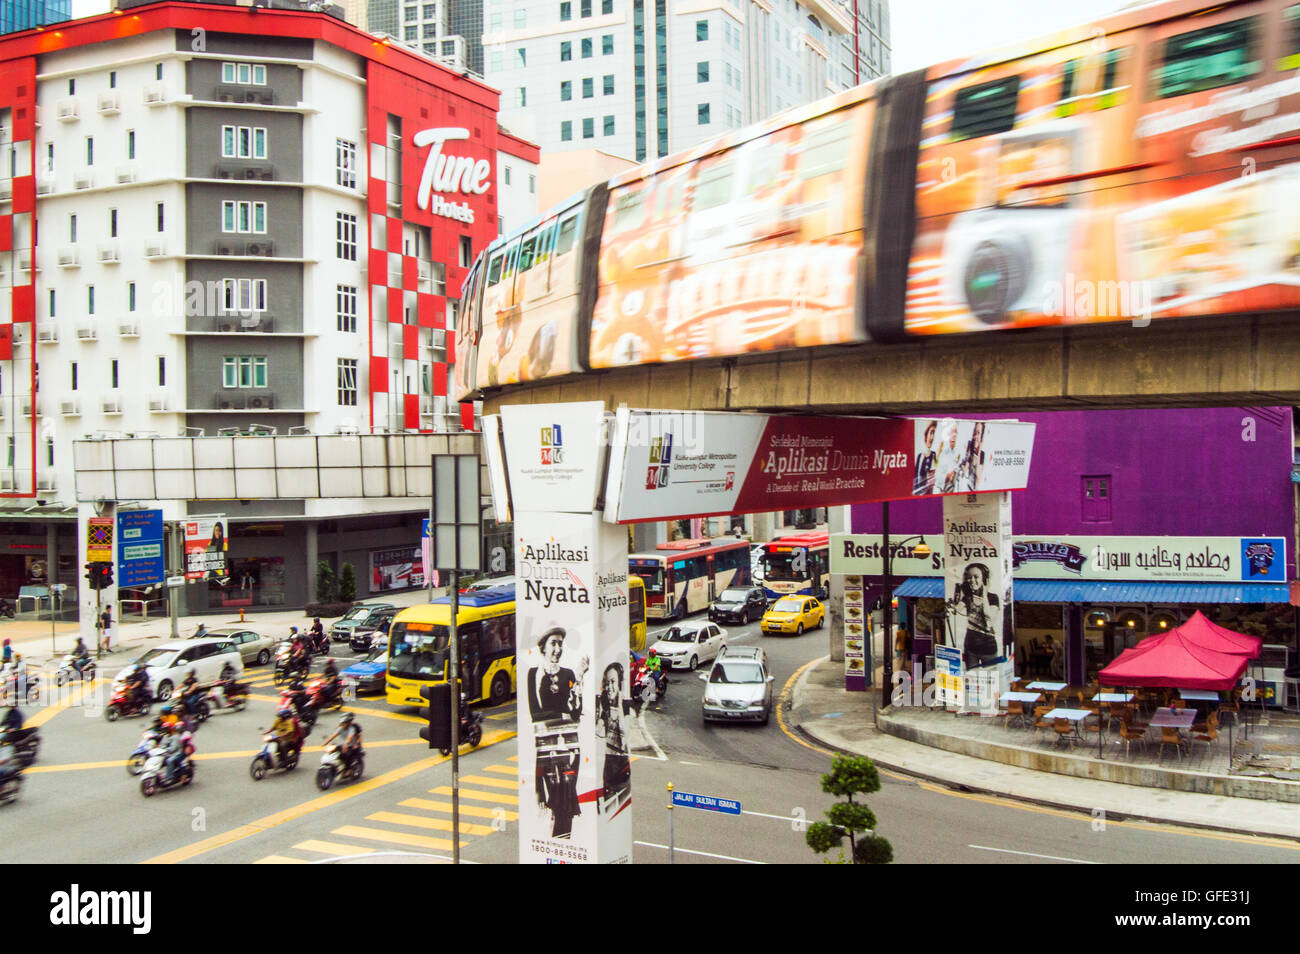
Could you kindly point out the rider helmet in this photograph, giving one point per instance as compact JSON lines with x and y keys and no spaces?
{"x":347,"y":719}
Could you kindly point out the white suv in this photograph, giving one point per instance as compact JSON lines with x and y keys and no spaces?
{"x":739,"y":687}
{"x":167,"y":664}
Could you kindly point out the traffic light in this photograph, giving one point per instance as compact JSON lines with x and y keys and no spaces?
{"x":92,"y":575}
{"x":438,"y":734}
{"x":99,"y":575}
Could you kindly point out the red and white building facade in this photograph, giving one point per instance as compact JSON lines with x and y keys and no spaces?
{"x":218,"y":220}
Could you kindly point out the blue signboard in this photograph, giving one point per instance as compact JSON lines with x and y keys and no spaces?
{"x":139,"y":547}
{"x":709,"y":803}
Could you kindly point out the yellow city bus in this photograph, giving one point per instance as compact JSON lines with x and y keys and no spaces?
{"x":485,"y":627}
{"x":635,"y":613}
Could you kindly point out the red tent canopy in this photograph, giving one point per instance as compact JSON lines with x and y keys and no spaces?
{"x":1199,"y":631}
{"x":1174,"y":661}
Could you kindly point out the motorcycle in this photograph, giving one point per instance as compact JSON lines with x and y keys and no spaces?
{"x":154,"y":778}
{"x":10,"y":786}
{"x":333,"y":767}
{"x":322,"y":696}
{"x":284,"y":672}
{"x":25,"y":743}
{"x":471,"y":730}
{"x":124,"y":704}
{"x":67,"y":672}
{"x":266,"y":759}
{"x":317,"y":645}
{"x":140,"y":754}
{"x":236,"y":696}
{"x":16,"y":686}
{"x":302,"y":705}
{"x":645,"y":686}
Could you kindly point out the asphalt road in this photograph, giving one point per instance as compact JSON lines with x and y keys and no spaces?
{"x":79,"y":805}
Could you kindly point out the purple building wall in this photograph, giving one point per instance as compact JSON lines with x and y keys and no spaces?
{"x":1176,"y":472}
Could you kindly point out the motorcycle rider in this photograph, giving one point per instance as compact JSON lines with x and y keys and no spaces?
{"x":296,"y":698}
{"x":9,"y":764}
{"x":11,"y":729}
{"x":286,"y":733}
{"x":191,"y":693}
{"x":175,"y":745}
{"x":136,"y":684}
{"x":350,"y":743}
{"x":80,"y":656}
{"x":200,"y":631}
{"x":299,"y":656}
{"x":333,"y":684}
{"x":6,"y":654}
{"x":655,"y":667}
{"x":317,"y":636}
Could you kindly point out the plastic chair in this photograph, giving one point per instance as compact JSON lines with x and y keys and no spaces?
{"x":1206,"y":737}
{"x":1016,"y":709}
{"x":1039,"y":723}
{"x":1169,"y":736}
{"x":1131,"y":735}
{"x":1064,"y":731}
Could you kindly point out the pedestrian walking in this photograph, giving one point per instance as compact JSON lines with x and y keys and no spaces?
{"x":106,"y":628}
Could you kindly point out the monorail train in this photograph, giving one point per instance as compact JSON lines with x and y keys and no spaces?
{"x":1139,"y":167}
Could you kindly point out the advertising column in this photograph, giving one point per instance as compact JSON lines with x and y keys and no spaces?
{"x":977,"y":591}
{"x":575,"y":783}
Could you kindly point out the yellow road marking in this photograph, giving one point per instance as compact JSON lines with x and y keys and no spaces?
{"x":75,"y":697}
{"x":279,"y":860}
{"x":330,"y":848}
{"x":502,"y":715}
{"x":359,"y":710}
{"x":395,"y":837}
{"x":478,"y":796}
{"x":513,"y":758}
{"x":435,"y":824}
{"x":510,"y":770}
{"x":474,"y":811}
{"x":295,"y":812}
{"x":490,"y":782}
{"x":209,"y":756}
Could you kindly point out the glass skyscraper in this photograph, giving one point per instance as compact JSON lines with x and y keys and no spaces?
{"x":18,"y":15}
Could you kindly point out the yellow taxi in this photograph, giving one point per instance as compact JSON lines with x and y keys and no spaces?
{"x":793,"y":614}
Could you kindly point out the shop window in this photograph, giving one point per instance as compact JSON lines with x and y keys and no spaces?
{"x":1096,"y":499}
{"x":253,"y":581}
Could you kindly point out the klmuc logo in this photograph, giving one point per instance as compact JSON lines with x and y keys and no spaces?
{"x":552,"y":445}
{"x":1260,"y":555}
{"x":93,"y":908}
{"x":661,"y":456}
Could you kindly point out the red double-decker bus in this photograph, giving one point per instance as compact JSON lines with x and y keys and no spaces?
{"x":684,"y":576}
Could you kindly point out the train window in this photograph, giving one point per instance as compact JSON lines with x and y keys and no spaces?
{"x":713,"y":188}
{"x":1208,"y":58}
{"x":629,"y":210}
{"x":1291,"y":45}
{"x":545,"y":243}
{"x":526,"y":253}
{"x":1068,"y":73}
{"x":568,"y":230}
{"x":825,"y":150}
{"x":512,"y":257}
{"x":1110,"y":72}
{"x":985,"y":109}
{"x":494,"y":270}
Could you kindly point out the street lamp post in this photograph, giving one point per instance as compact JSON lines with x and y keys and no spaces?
{"x":887,"y":601}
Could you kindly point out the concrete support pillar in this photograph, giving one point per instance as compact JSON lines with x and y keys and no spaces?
{"x":52,"y":559}
{"x":1075,"y":654}
{"x":837,"y":521}
{"x":313,"y":556}
{"x":764,"y":527}
{"x":647,"y":536}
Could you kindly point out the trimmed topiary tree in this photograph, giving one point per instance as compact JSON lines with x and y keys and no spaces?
{"x":849,"y":776}
{"x":347,"y":584}
{"x":326,"y":585}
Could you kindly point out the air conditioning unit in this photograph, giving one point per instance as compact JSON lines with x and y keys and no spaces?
{"x":223,"y":172}
{"x":226,"y":404}
{"x":154,"y":250}
{"x":258,"y":402}
{"x":225,"y":248}
{"x":45,"y":185}
{"x":86,"y":331}
{"x":24,"y":257}
{"x":6,"y":482}
{"x":226,"y":326}
{"x":25,"y":405}
{"x":68,"y":257}
{"x":66,"y":110}
{"x":126,"y":174}
{"x":347,"y":429}
{"x":112,"y":405}
{"x":47,"y":333}
{"x":129,"y":328}
{"x":258,"y":248}
{"x":252,"y":96}
{"x":70,"y":408}
{"x":108,"y":254}
{"x":252,"y":173}
{"x":268,"y":174}
{"x":110,"y":101}
{"x":158,"y":403}
{"x":155,"y":94}
{"x":225,"y":97}
{"x":45,"y":482}
{"x":6,"y":188}
{"x":84,"y":180}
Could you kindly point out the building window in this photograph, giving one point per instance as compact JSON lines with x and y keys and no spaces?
{"x":1096,"y":499}
{"x":243,"y":371}
{"x":72,"y":228}
{"x":72,"y":87}
{"x":130,"y":146}
{"x":494,"y":22}
{"x":162,"y":371}
{"x":243,"y":296}
{"x":112,"y":223}
{"x":90,"y":150}
{"x":521,"y":96}
{"x":587,"y":48}
{"x":410,"y":34}
{"x":345,"y":236}
{"x":49,"y":157}
{"x":243,"y":74}
{"x":410,"y":14}
{"x":609,"y":125}
{"x":701,"y":30}
{"x":74,"y":375}
{"x":243,"y":142}
{"x":521,"y":19}
{"x":345,"y":305}
{"x":609,"y":85}
{"x":90,"y":299}
{"x":159,"y":213}
{"x":702,"y":72}
{"x":431,"y":29}
{"x":157,"y":71}
{"x":521,"y":57}
{"x":566,"y":91}
{"x":345,"y":163}
{"x":532,"y":188}
{"x":130,"y":296}
{"x":243,"y":216}
{"x":51,"y":302}
{"x":566,"y":51}
{"x":588,"y":88}
{"x":607,"y":44}
{"x":348,"y":382}
{"x":506,"y":171}
{"x":589,"y":129}
{"x":702,"y":114}
{"x":112,"y":79}
{"x":566,"y":12}
{"x":566,"y":131}
{"x":606,"y":7}
{"x":586,"y":8}
{"x":467,"y":249}
{"x":112,"y":370}
{"x":430,"y":11}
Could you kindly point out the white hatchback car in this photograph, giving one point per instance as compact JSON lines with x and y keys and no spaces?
{"x":169,"y":663}
{"x":686,"y":645}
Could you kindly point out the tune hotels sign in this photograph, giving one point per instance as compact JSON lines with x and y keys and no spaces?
{"x":449,"y":174}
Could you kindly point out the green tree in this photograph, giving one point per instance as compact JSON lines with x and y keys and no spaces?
{"x":347,"y":584}
{"x":326,"y":585}
{"x":849,"y":776}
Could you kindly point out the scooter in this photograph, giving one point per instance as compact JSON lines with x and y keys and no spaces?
{"x":267,"y":759}
{"x":321,"y":697}
{"x":302,"y":706}
{"x":332,"y":767}
{"x":10,"y":786}
{"x":67,"y":672}
{"x":122,"y":704}
{"x":140,"y":754}
{"x":25,"y":743}
{"x":284,"y":672}
{"x":646,"y":687}
{"x":19,"y":687}
{"x":235,"y":696}
{"x":471,"y":729}
{"x":154,"y":778}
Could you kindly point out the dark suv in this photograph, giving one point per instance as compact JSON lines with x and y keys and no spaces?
{"x":360,"y":616}
{"x":363,"y":635}
{"x":738,"y":604}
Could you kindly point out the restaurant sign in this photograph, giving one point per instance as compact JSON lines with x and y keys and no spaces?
{"x":1039,"y":557}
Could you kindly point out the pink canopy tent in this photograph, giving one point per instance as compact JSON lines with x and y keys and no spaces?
{"x":1200,"y":631}
{"x":1175,"y":661}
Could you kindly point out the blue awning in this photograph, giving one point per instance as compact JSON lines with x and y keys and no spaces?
{"x":1072,"y":591}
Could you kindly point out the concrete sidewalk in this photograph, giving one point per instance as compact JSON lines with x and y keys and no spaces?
{"x":826,"y":714}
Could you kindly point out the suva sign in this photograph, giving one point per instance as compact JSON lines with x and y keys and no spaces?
{"x":449,"y":174}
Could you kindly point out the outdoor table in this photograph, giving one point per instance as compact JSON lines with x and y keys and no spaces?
{"x":1076,"y":716}
{"x":1048,"y":686}
{"x":1113,"y":697}
{"x":1020,"y":697}
{"x":1198,"y":695}
{"x":1180,"y":719}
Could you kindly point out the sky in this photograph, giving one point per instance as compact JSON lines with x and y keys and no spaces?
{"x":932,"y":31}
